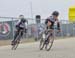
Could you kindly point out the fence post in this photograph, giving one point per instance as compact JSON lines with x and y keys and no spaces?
{"x":13,"y":28}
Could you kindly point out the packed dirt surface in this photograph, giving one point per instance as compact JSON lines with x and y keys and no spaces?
{"x":8,"y":42}
{"x":63,"y":48}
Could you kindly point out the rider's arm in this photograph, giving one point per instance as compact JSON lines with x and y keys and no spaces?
{"x":26,"y":24}
{"x":17,"y":24}
{"x":58,"y":25}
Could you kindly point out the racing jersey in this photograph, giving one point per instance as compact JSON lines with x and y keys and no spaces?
{"x":22,"y":24}
{"x":52,"y":20}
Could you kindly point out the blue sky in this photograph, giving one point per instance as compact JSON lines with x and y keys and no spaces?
{"x":13,"y":8}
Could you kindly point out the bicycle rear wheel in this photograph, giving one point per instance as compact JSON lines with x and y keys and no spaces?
{"x":42,"y":44}
{"x":42,"y":41}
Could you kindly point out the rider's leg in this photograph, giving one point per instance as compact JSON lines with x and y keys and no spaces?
{"x":21,"y":33}
{"x":48,"y":37}
{"x":16,"y":34}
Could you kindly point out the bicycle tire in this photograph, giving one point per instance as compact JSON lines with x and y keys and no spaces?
{"x":16,"y":45}
{"x":42,"y":42}
{"x":16,"y":42}
{"x":49,"y":44}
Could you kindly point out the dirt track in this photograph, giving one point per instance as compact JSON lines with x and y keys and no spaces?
{"x":8,"y":42}
{"x":63,"y":48}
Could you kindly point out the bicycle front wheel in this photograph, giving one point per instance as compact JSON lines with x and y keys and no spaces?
{"x":16,"y":42}
{"x":49,"y":43}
